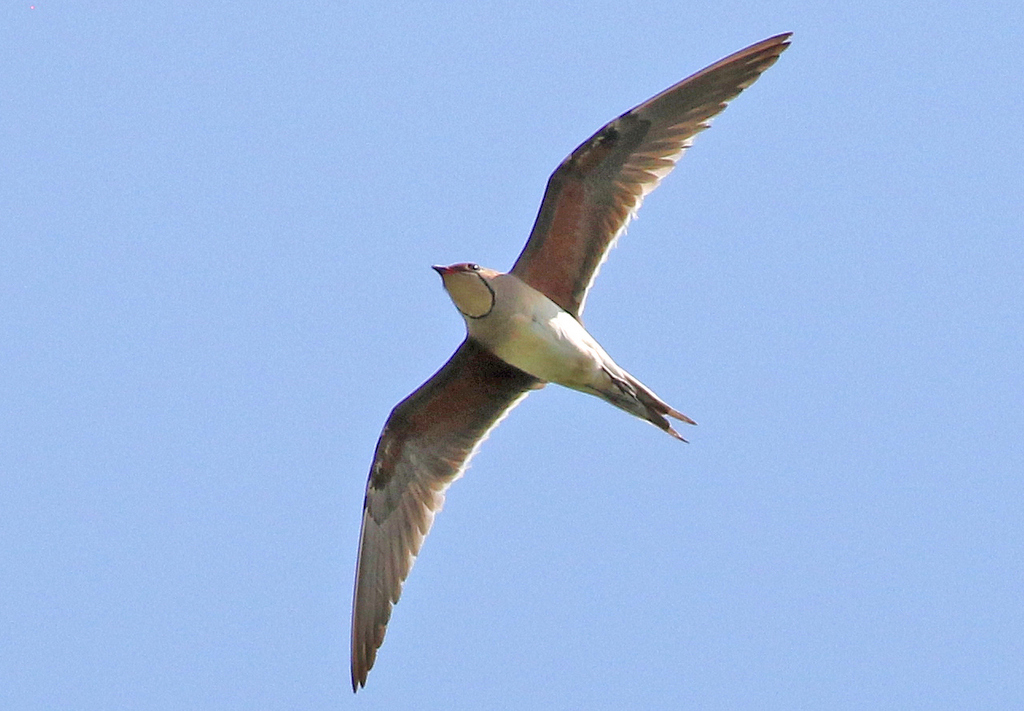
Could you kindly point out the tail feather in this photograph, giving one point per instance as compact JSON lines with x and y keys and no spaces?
{"x":634,"y":397}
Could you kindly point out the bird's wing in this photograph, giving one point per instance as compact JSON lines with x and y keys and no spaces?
{"x":426,"y":444}
{"x":594,"y":193}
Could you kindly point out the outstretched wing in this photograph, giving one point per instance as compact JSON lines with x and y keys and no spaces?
{"x":594,"y":193}
{"x":426,"y":444}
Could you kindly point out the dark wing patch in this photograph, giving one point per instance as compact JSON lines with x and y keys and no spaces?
{"x":426,"y":444}
{"x":594,"y":193}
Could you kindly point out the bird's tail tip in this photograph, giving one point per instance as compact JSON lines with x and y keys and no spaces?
{"x":671,"y":430}
{"x":672,"y":412}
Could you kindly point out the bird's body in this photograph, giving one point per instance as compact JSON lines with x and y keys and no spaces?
{"x":524,"y":330}
{"x":528,"y":330}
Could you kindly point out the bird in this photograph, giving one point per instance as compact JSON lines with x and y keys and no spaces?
{"x":524,"y":330}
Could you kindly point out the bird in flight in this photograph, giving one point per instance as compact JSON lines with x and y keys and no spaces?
{"x":523,"y":330}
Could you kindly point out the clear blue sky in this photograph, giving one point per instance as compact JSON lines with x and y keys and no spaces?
{"x":216,"y":226}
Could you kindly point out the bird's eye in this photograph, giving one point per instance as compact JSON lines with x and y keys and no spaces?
{"x":475,"y":267}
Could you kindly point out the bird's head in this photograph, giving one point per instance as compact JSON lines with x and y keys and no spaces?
{"x":469,"y":286}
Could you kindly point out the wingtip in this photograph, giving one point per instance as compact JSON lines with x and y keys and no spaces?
{"x":358,"y":680}
{"x":782,"y":38}
{"x":766,"y":52}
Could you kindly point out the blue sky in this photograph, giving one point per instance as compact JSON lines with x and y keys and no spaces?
{"x":216,"y":226}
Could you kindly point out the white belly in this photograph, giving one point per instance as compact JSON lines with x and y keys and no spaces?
{"x":531,"y":332}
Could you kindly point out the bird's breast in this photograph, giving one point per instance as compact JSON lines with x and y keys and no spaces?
{"x":528,"y":330}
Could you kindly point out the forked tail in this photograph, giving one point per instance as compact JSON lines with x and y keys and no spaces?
{"x":629,"y":394}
